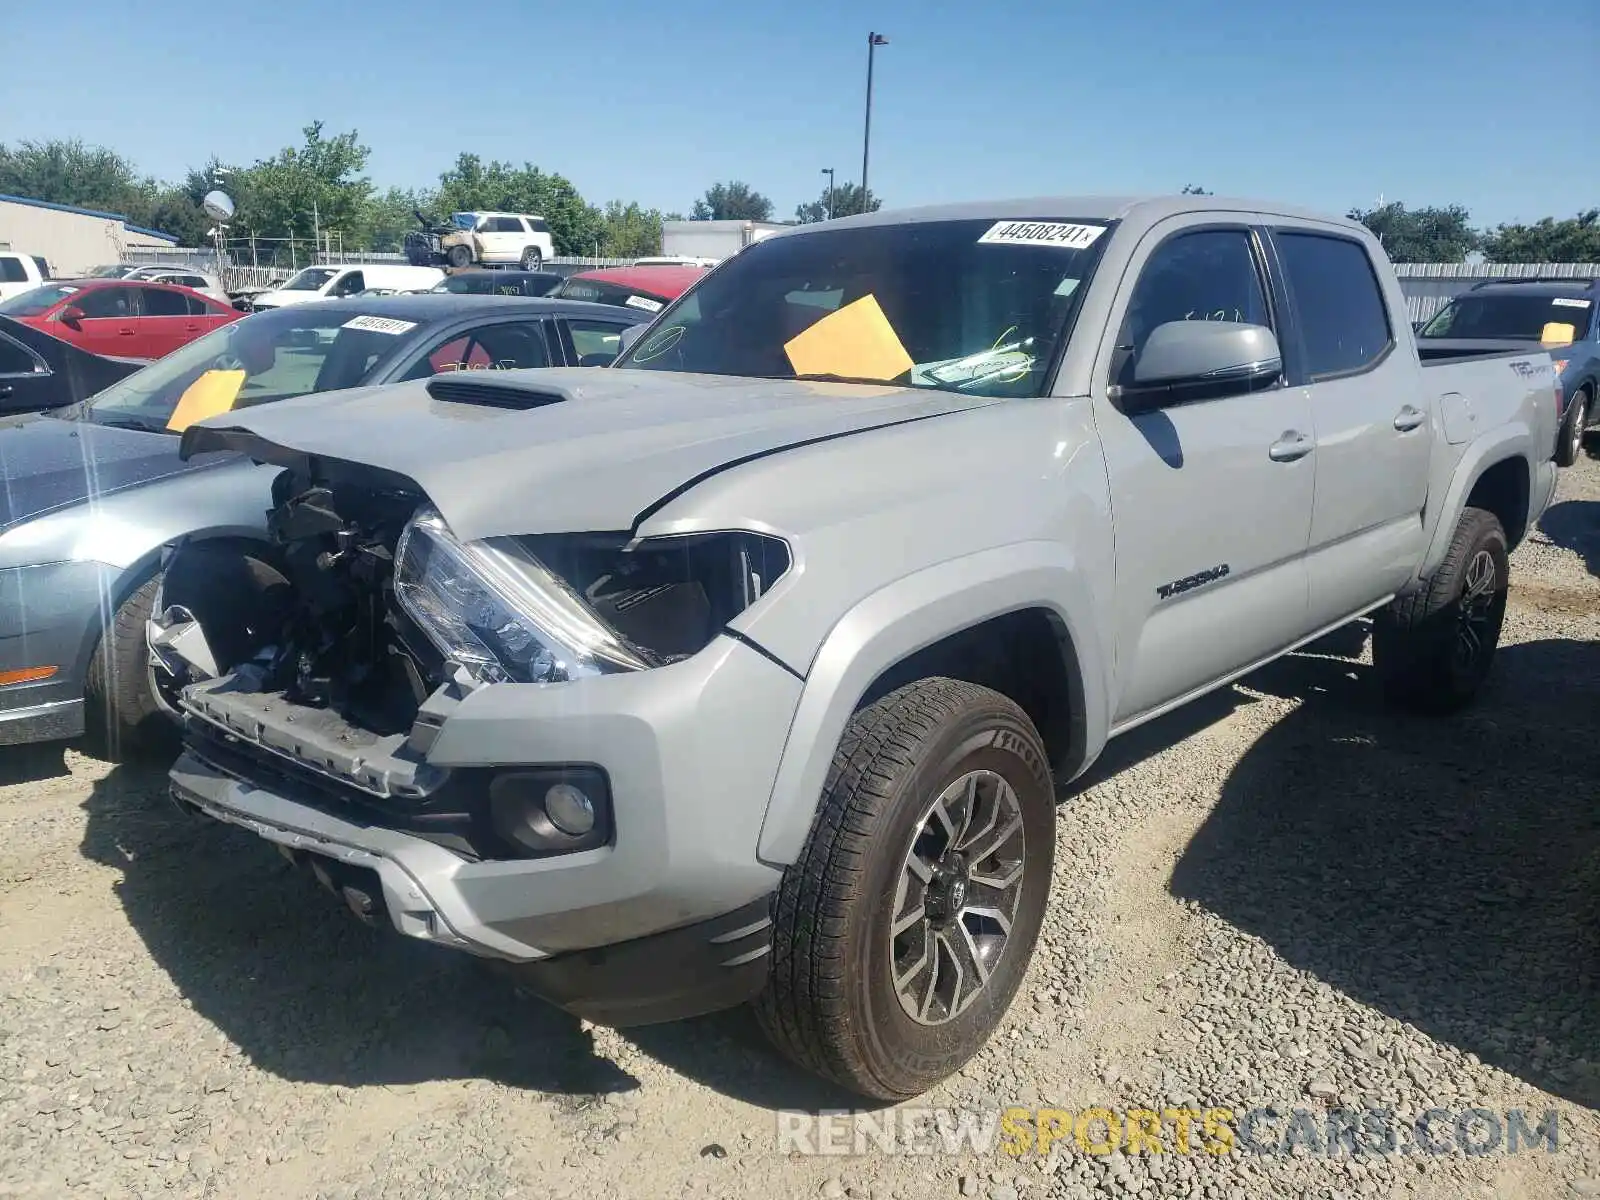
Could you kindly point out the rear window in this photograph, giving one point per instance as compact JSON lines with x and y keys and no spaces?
{"x":12,"y":270}
{"x":1520,"y":317}
{"x":1343,"y":319}
{"x":601,"y":291}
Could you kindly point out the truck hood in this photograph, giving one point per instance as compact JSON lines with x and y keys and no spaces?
{"x":282,"y":299}
{"x":561,"y":450}
{"x":49,"y":464}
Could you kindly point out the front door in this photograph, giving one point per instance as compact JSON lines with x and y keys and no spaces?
{"x":1211,"y":497}
{"x":1372,"y":426}
{"x":109,"y":324}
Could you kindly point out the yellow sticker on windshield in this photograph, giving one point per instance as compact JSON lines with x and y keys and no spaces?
{"x":213,"y":393}
{"x":856,"y":340}
{"x":1558,"y":333}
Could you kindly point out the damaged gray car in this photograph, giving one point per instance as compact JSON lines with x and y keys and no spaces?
{"x":744,"y":669}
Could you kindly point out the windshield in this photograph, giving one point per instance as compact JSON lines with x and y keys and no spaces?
{"x":463,"y":220}
{"x":976,"y":306}
{"x":603,"y":291}
{"x":310,"y":280}
{"x":1520,"y":317}
{"x":272,"y":355}
{"x":112,"y":271}
{"x":36,"y":300}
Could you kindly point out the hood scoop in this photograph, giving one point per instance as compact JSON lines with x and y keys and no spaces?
{"x":472,"y":388}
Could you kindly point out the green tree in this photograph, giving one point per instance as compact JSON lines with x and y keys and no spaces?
{"x":1574,"y":240}
{"x":846,"y":201}
{"x":389,"y":216}
{"x":70,"y":172}
{"x":1420,"y":234}
{"x":316,"y":185}
{"x":732,"y":201}
{"x":630,"y":230}
{"x":471,"y":184}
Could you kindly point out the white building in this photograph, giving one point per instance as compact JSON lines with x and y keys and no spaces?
{"x":72,"y":240}
{"x":714,"y":239}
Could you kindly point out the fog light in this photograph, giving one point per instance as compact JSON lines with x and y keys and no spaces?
{"x":569,"y":809}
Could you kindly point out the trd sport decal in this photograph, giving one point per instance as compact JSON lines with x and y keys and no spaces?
{"x":1178,"y":586}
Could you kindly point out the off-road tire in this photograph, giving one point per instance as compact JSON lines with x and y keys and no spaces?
{"x":459,"y":257}
{"x":830,"y":1002}
{"x":121,"y":715}
{"x":532,"y":259}
{"x":1417,"y":646}
{"x":1569,"y":447}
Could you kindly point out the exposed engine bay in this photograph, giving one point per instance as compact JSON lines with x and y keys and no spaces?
{"x":362,"y":621}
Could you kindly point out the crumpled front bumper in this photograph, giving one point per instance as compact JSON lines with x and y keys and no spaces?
{"x":690,"y":751}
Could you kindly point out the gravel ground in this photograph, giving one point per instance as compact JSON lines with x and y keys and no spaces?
{"x":1285,"y":895}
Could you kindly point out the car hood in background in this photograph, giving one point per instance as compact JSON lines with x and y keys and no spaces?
{"x":562,"y":450}
{"x":48,"y":464}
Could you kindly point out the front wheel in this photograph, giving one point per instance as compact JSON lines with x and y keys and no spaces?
{"x":459,"y":257}
{"x":532,"y":259}
{"x":904,"y":929}
{"x":122,"y":713}
{"x":1571,"y":444}
{"x":1432,"y":649}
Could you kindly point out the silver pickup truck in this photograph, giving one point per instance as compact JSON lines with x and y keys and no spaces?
{"x":747,"y":670}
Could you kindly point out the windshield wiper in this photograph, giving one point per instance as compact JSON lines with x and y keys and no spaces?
{"x":137,"y":423}
{"x":830,"y":377}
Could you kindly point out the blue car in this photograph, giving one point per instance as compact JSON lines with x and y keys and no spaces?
{"x":94,"y":490}
{"x":1561,"y":314}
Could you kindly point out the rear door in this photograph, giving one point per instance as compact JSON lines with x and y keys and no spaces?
{"x":164,"y":322}
{"x":1372,"y":420}
{"x":1211,"y":496}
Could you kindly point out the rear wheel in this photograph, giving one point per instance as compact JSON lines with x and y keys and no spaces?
{"x":903,"y":930}
{"x":1433,"y":649}
{"x":532,"y":259}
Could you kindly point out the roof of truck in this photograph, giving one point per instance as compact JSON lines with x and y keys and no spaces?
{"x":1089,"y":208}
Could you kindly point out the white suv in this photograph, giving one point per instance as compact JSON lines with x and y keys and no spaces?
{"x":500,"y":238}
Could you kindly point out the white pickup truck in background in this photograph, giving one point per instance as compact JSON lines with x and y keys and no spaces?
{"x":20,"y":273}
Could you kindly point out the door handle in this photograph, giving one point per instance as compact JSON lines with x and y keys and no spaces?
{"x":125,"y":333}
{"x":1409,"y":418}
{"x":1291,"y":446}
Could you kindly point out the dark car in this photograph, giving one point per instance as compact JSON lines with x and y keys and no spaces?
{"x":94,"y":491}
{"x":499,"y":283}
{"x":1560,"y":314}
{"x":38,"y":371}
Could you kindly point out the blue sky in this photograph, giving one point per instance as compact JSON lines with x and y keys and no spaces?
{"x":1328,"y":105}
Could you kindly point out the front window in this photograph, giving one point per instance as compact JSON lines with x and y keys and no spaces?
{"x":272,"y":355}
{"x":312,"y":279}
{"x":1522,"y":318}
{"x":976,"y":306}
{"x":36,"y":301}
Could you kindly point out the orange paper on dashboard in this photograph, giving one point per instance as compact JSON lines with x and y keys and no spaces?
{"x":213,"y":393}
{"x":856,"y":340}
{"x":1558,"y":333}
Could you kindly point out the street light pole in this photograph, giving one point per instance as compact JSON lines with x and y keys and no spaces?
{"x":828,"y":171}
{"x":874,"y":40}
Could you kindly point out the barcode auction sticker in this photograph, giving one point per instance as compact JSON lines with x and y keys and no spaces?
{"x":1570,"y":302}
{"x":1042,"y":233}
{"x":380,"y":325}
{"x":643,"y":302}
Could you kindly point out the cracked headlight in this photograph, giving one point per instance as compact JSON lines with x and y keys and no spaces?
{"x":498,"y":612}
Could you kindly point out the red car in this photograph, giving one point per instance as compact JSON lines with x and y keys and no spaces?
{"x":119,"y":318}
{"x":649,"y":289}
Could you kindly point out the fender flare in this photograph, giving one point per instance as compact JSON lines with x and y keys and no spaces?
{"x":1505,"y":442}
{"x":909,"y":615}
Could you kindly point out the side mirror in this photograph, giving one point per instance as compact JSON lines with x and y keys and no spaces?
{"x":1183,"y":355}
{"x":629,"y":336}
{"x":72,"y":316}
